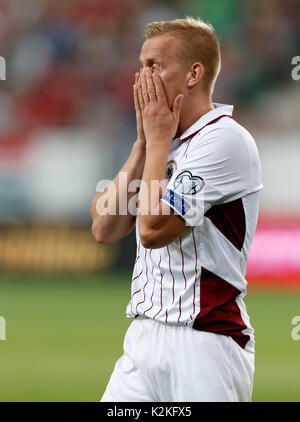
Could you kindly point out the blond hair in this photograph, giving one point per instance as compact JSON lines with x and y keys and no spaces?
{"x":199,"y":43}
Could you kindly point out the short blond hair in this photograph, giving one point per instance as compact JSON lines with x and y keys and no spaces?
{"x":199,"y":44}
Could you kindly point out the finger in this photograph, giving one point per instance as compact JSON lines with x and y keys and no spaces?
{"x":177,"y":107}
{"x":140,"y":95}
{"x":136,"y":99}
{"x":159,"y":88}
{"x":140,"y":75}
{"x":144,"y":88}
{"x":150,"y":85}
{"x":135,"y":92}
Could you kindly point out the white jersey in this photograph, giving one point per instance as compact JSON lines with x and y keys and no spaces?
{"x":199,"y":279}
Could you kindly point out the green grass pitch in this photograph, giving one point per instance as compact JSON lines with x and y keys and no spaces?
{"x":64,"y":334}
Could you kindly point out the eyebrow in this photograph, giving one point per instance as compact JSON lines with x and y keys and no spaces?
{"x":148,"y":60}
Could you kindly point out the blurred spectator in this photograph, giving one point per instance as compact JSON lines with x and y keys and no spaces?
{"x":64,"y":59}
{"x":71,"y":65}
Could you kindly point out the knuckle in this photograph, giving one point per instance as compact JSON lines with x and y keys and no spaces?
{"x":152,"y":109}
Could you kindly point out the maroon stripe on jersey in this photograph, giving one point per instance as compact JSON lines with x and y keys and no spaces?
{"x":196,"y":272}
{"x":161,"y":279}
{"x":179,"y":308}
{"x":137,"y":291}
{"x":209,"y":123}
{"x":230,"y":220}
{"x":173,"y":288}
{"x":166,"y":316}
{"x":153,"y":289}
{"x":187,"y":147}
{"x":137,"y":276}
{"x":142,"y":301}
{"x":219,"y":311}
{"x":182,"y":260}
{"x":138,"y":252}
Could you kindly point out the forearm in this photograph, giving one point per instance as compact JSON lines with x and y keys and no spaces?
{"x":112,"y":218}
{"x":153,"y":184}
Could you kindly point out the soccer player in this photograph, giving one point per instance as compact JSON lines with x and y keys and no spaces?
{"x":191,"y":338}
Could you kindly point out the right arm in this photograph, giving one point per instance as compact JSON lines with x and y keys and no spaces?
{"x":108,"y":226}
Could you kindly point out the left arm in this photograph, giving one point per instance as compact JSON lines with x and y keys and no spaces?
{"x":158,"y":225}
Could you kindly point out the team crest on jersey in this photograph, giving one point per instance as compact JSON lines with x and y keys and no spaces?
{"x":171,"y":167}
{"x":188,"y":184}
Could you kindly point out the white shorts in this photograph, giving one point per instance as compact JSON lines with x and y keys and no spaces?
{"x":173,"y":363}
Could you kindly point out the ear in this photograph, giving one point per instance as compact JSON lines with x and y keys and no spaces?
{"x":195,"y":75}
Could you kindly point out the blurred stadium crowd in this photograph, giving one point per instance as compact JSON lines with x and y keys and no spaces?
{"x":72,"y":63}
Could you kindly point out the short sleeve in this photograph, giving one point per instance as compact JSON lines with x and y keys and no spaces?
{"x":221,"y":165}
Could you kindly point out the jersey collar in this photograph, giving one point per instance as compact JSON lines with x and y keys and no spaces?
{"x":219,"y":111}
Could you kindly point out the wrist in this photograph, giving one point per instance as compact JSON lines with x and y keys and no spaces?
{"x":157,"y":156}
{"x":161,"y":143}
{"x":138,"y":148}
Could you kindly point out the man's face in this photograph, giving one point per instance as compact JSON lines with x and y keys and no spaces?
{"x":161,"y":53}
